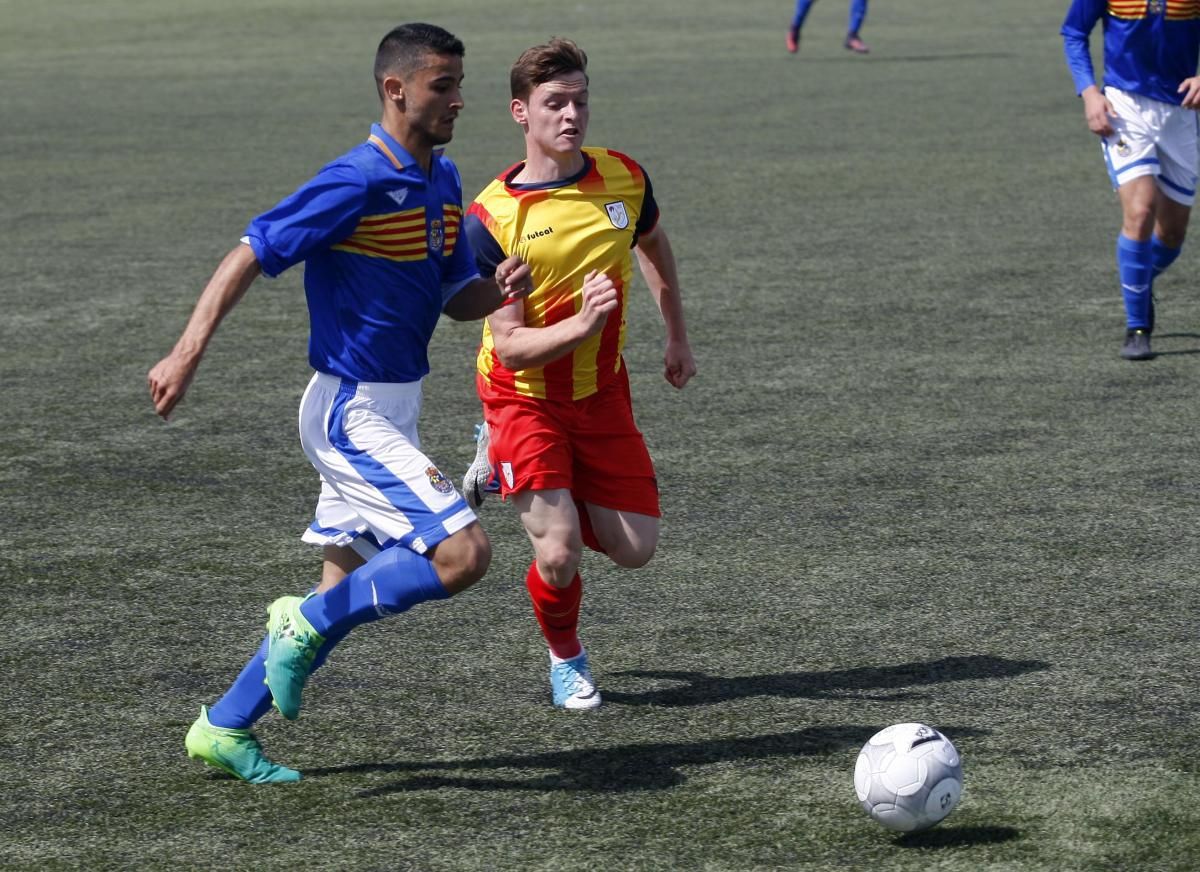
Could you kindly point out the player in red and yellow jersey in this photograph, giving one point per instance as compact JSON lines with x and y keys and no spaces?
{"x":559,"y":422}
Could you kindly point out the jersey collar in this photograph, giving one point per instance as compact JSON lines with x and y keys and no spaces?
{"x":391,"y":149}
{"x":588,"y":163}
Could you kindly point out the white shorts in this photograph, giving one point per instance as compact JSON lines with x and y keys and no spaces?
{"x":375,"y":482}
{"x":1152,"y":138}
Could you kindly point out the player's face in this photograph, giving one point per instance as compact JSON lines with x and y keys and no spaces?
{"x":433,"y":98}
{"x":556,"y":114}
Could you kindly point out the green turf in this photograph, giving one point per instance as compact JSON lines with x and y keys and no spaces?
{"x":913,"y":480}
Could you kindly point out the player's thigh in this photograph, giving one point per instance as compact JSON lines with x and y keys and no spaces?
{"x":1171,"y":220}
{"x":551,"y":520}
{"x":1139,"y":197}
{"x":629,"y":539}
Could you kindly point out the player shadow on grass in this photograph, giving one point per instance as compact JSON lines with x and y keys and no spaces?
{"x":698,"y":688}
{"x":614,"y":769}
{"x":944,"y":836}
{"x":1159,"y":352}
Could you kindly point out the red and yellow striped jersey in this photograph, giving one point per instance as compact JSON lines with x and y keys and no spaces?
{"x":564,"y":230}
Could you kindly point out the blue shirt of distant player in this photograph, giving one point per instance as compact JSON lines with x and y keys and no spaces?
{"x":372,"y":308}
{"x":1150,"y":46}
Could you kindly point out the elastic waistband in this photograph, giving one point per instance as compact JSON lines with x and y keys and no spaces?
{"x":372,"y":390}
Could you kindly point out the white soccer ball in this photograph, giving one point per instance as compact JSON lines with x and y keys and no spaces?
{"x":908,"y":777}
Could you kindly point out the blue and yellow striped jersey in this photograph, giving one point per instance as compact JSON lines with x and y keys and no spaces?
{"x":1150,"y":46}
{"x":382,"y":254}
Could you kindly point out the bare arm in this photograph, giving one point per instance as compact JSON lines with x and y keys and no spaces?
{"x":522,"y":347}
{"x":483,"y":296}
{"x":658,"y":268}
{"x":171,"y":376}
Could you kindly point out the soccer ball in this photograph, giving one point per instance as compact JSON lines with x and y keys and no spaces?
{"x":908,"y":777}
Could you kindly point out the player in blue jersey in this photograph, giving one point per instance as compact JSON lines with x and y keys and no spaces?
{"x":378,"y":232}
{"x":1145,"y":118}
{"x":858,"y":13}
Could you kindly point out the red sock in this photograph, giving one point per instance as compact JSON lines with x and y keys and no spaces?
{"x":557,"y":611}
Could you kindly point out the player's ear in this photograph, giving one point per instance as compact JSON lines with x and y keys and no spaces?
{"x":520,"y":112}
{"x":393,"y":89}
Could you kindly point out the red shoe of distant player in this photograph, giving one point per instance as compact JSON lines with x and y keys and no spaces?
{"x":856,"y":45}
{"x":793,"y":41}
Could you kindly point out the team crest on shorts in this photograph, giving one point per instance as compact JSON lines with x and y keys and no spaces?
{"x":436,"y":235}
{"x":617,"y":214}
{"x":440,"y":483}
{"x":506,"y":471}
{"x":1122,"y":148}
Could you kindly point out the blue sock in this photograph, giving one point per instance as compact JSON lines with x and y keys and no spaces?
{"x":248,"y":698}
{"x":858,"y":11}
{"x":1162,"y":256}
{"x":391,"y":582}
{"x":1136,"y":268}
{"x":802,"y":7}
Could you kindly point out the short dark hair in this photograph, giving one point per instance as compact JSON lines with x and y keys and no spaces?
{"x":402,"y":50}
{"x":544,"y":63}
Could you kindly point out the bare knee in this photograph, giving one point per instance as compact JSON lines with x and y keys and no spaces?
{"x":463,"y":559}
{"x":633,"y":554}
{"x":1138,"y":221}
{"x":558,"y":560}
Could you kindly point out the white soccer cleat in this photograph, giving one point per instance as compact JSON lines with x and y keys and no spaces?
{"x":480,"y":479}
{"x":571,"y":683}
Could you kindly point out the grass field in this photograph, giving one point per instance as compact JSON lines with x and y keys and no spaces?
{"x":913,"y":480}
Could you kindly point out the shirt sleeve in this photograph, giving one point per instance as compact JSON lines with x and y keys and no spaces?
{"x":1077,"y":27}
{"x":649,"y":214}
{"x":460,"y":271}
{"x":322,"y":212}
{"x":488,"y":253}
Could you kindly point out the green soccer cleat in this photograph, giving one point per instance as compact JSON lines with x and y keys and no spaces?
{"x":236,"y":752}
{"x":292,"y":644}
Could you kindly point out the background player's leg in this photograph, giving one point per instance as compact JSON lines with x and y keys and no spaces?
{"x":793,"y":34}
{"x":858,"y":13}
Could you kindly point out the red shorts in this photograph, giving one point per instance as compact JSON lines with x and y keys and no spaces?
{"x":591,"y":447}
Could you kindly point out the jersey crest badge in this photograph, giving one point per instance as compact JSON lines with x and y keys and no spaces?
{"x":436,"y":235}
{"x":440,"y":483}
{"x":617,"y":214}
{"x":399,"y":196}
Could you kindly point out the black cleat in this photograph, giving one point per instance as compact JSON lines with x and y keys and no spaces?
{"x":1137,"y":345}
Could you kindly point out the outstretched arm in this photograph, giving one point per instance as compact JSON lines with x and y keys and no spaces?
{"x":658,"y":267}
{"x":171,"y":376}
